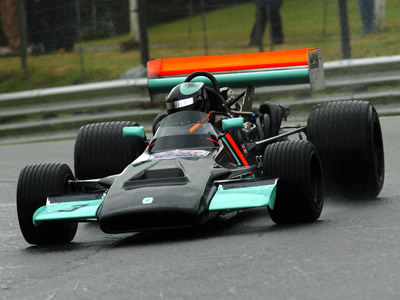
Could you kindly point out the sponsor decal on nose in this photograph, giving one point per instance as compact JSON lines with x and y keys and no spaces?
{"x":147,"y":200}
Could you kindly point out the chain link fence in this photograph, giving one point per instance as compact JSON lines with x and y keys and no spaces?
{"x":101,"y":34}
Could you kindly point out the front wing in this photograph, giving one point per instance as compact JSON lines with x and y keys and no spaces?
{"x":80,"y":207}
{"x":230,"y":195}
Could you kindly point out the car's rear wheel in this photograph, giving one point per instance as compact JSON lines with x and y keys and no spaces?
{"x":271,"y":123}
{"x":35,"y":183}
{"x":348,"y":138}
{"x":157,"y":121}
{"x":101,"y":150}
{"x":300,"y":189}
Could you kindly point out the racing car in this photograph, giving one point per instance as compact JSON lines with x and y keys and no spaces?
{"x":211,"y":154}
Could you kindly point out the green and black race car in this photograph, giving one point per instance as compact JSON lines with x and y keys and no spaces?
{"x":211,"y":154}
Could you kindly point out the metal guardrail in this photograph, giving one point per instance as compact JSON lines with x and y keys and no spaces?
{"x":58,"y":112}
{"x":75,"y":89}
{"x":362,"y":62}
{"x":340,"y":65}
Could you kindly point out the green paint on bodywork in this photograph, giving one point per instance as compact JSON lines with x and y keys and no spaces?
{"x":236,"y":80}
{"x":234,"y":123}
{"x":243,"y":197}
{"x":231,"y":151}
{"x":191,"y":87}
{"x":70,"y":210}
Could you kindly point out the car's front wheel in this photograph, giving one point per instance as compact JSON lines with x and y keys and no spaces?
{"x":300,"y":189}
{"x":35,"y":183}
{"x":101,"y":150}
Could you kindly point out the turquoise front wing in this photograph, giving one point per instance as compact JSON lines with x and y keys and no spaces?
{"x":243,"y":197}
{"x":70,"y":210}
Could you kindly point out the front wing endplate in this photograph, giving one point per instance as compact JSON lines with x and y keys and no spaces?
{"x":70,"y":210}
{"x":240,"y":197}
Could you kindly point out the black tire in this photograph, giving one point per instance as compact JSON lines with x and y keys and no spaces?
{"x":35,"y":183}
{"x":260,"y":129}
{"x":101,"y":150}
{"x":267,"y":126}
{"x":157,"y":120}
{"x":300,"y":189}
{"x":275,"y":116}
{"x":263,"y":124}
{"x":348,"y":138}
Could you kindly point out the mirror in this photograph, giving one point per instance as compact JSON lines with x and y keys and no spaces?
{"x":234,"y":123}
{"x":134,"y":131}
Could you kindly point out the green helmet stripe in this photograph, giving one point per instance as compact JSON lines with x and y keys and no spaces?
{"x":190,"y":87}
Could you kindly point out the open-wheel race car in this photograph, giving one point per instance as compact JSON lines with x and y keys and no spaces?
{"x":211,"y":154}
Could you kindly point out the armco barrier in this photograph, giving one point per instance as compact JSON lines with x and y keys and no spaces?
{"x":52,"y":111}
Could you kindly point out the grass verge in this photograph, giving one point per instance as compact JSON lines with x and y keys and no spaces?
{"x":228,"y":32}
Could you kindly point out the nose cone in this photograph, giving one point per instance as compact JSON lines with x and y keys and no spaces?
{"x":159,"y":194}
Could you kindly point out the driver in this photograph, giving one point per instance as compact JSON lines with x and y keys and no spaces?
{"x":188,"y":96}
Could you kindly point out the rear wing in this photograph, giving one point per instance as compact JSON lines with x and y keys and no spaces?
{"x":300,"y":66}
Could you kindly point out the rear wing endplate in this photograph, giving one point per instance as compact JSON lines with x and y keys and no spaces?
{"x":300,"y":66}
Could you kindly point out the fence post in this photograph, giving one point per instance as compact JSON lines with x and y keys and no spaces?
{"x":94,"y":16}
{"x":134,"y":20}
{"x":144,"y":44}
{"x":271,"y":39}
{"x":190,"y":9}
{"x":203,"y":19}
{"x":380,"y":15}
{"x":259,"y":28}
{"x":344,"y":29}
{"x":21,"y":11}
{"x":78,"y":21}
{"x":325,"y":18}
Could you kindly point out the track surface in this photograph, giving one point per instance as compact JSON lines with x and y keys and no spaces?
{"x":352,"y":252}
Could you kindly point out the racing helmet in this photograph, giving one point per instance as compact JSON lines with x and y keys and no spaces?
{"x":188,"y":96}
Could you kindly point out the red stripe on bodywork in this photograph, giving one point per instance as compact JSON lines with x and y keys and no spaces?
{"x":236,"y":148}
{"x":213,"y":141}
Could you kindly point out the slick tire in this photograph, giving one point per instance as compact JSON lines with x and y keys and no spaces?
{"x":348,"y":138}
{"x":274,"y":121}
{"x":101,"y":150}
{"x":300,"y":188}
{"x":35,"y":183}
{"x":157,"y":121}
